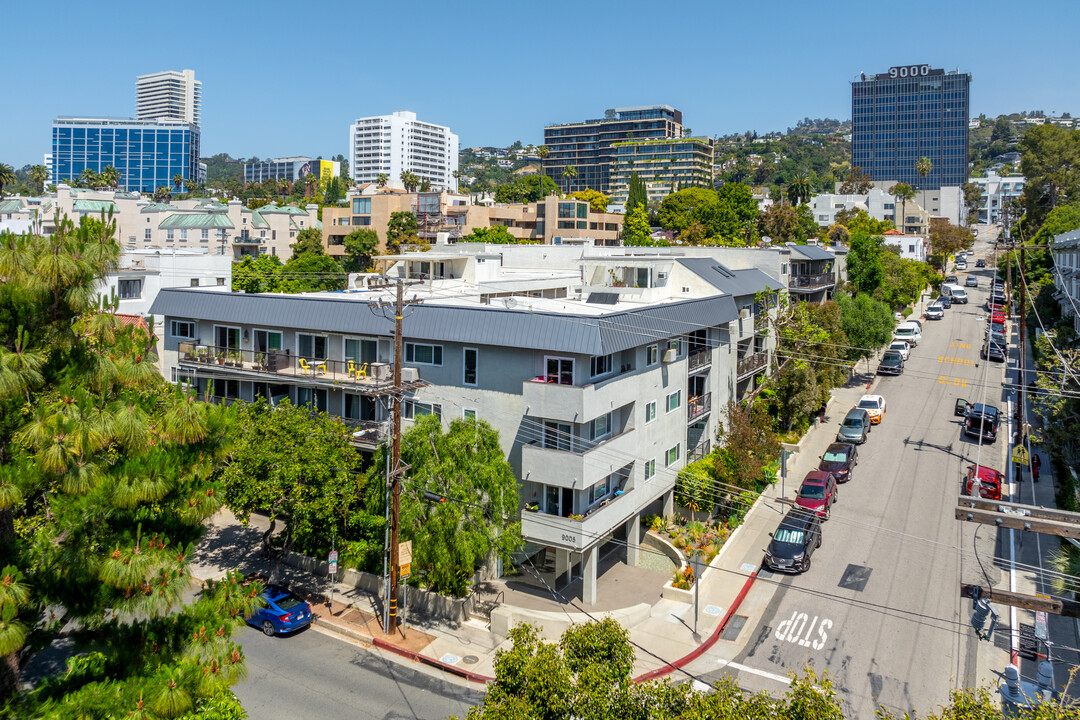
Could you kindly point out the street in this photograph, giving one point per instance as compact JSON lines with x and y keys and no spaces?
{"x":313,"y":675}
{"x":880,"y":608}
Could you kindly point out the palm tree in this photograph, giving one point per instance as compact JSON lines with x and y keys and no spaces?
{"x":902,"y":192}
{"x":381,"y":179}
{"x":569,"y":173}
{"x":177,"y":181}
{"x":311,"y":181}
{"x":89,"y":178}
{"x":162,"y":194}
{"x":110,"y":176}
{"x":7,"y":177}
{"x":799,"y":189}
{"x":190,"y":185}
{"x":283,"y":187}
{"x":542,"y":152}
{"x":923,"y":166}
{"x":38,"y":175}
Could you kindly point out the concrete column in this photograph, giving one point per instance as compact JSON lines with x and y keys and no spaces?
{"x":669,"y":503}
{"x":589,"y":560}
{"x":633,"y":539}
{"x":562,"y":563}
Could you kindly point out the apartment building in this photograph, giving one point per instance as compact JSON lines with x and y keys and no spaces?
{"x":910,"y":247}
{"x":449,"y":217}
{"x":141,"y":274}
{"x":1066,"y":253}
{"x":169,"y":95}
{"x":877,"y":203}
{"x":391,"y":144}
{"x":997,"y":192}
{"x":663,"y":165}
{"x":604,"y":371}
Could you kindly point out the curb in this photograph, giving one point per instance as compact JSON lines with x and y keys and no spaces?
{"x":437,"y":664}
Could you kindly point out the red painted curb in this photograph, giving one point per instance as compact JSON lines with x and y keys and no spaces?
{"x":709,"y":642}
{"x":438,"y":664}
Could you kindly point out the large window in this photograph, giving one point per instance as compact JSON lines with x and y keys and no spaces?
{"x":599,"y":491}
{"x":361,"y":350}
{"x":361,"y":206}
{"x":672,"y":456}
{"x":184,"y":329}
{"x":557,"y":436}
{"x":601,"y":427}
{"x":674,"y":400}
{"x":311,"y":346}
{"x":601,"y":365}
{"x":560,"y":370}
{"x":130,"y":289}
{"x":413,"y":409}
{"x":227,"y":337}
{"x":423,"y":354}
{"x":314,"y":398}
{"x":470,"y":364}
{"x":652,"y":355}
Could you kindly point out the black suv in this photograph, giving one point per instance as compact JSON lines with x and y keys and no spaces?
{"x":794,"y":541}
{"x":980,"y":421}
{"x":839,"y":459}
{"x":992,"y":350}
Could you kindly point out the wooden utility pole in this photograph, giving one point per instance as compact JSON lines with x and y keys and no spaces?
{"x":1047,"y":521}
{"x":1052,"y":605}
{"x":1021,"y":377}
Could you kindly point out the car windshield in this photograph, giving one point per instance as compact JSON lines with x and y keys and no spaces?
{"x":853,"y":422}
{"x":288,"y":602}
{"x":891,"y":358}
{"x":868,"y":404}
{"x":898,"y":346}
{"x":904,"y":332}
{"x":812,"y":492}
{"x":834,"y":456}
{"x":789,"y":536}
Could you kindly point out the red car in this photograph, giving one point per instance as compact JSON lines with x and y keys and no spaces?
{"x":989,"y":479}
{"x":997,"y":317}
{"x":817,"y":493}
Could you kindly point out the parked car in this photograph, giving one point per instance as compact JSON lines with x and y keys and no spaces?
{"x":874,"y":405}
{"x":856,"y":426}
{"x":910,"y":332}
{"x":285,"y":612}
{"x":996,"y":334}
{"x":971,"y":281}
{"x":997,"y":317}
{"x":935,"y":312}
{"x":817,"y":493}
{"x":951,"y":280}
{"x":891,"y":363}
{"x":901,"y":347}
{"x":989,"y":482}
{"x":992,"y":350}
{"x":980,"y":263}
{"x":980,"y":421}
{"x":840,"y":459}
{"x":793,"y":542}
{"x":961,"y":265}
{"x":944,"y":301}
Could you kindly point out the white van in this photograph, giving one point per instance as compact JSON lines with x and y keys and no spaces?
{"x":909,"y":332}
{"x":955,"y":293}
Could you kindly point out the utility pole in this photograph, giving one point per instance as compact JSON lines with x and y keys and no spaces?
{"x":1021,"y":377}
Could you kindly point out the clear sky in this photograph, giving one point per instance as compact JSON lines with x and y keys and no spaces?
{"x":287,"y":78}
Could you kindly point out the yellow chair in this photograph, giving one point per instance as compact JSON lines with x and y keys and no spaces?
{"x":361,"y":372}
{"x":352,"y":371}
{"x":304,"y":367}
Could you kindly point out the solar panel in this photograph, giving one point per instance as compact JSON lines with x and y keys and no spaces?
{"x":603,"y":298}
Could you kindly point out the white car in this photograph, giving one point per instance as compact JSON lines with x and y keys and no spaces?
{"x":901,"y":347}
{"x":874,"y":405}
{"x":935,"y":312}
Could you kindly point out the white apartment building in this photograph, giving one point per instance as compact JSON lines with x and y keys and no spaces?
{"x":912,"y":247}
{"x":997,"y":191}
{"x":391,"y":144}
{"x":169,"y":95}
{"x":877,"y":203}
{"x":1066,"y":253}
{"x":143,"y":273}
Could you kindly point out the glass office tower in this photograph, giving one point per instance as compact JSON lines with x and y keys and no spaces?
{"x":907,"y":113}
{"x":146,"y":153}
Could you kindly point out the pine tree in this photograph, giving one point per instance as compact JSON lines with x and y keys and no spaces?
{"x":636,"y":194}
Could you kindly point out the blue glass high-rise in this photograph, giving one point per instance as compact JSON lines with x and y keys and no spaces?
{"x":146,"y":153}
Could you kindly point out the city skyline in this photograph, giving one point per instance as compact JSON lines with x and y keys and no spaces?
{"x":760,"y":73}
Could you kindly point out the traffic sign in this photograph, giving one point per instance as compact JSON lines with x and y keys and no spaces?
{"x":404,"y":572}
{"x":1020,"y":455}
{"x":333,"y":556}
{"x":333,"y":568}
{"x":404,"y":553}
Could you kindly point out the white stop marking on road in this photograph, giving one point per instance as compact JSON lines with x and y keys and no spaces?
{"x":800,"y":630}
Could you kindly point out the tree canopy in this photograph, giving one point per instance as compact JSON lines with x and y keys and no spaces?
{"x":1050,"y":156}
{"x":308,"y":240}
{"x":526,"y":189}
{"x":636,"y":229}
{"x":495,"y":235}
{"x":360,"y":246}
{"x":597,"y":200}
{"x":711,"y":217}
{"x":401,"y":226}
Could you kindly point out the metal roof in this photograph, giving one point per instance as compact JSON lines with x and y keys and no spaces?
{"x":812,"y":252}
{"x":1066,"y":240}
{"x":735,"y":282}
{"x":11,"y":206}
{"x":94,"y":206}
{"x":196,"y":220}
{"x":480,"y":324}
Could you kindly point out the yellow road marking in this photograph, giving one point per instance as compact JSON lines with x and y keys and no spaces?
{"x":956,"y":361}
{"x":946,"y":380}
{"x":960,"y":345}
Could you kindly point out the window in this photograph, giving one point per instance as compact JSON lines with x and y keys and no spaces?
{"x":601,"y":365}
{"x":205,"y":235}
{"x":599,"y":491}
{"x":183,"y":233}
{"x":311,"y":346}
{"x":557,"y":436}
{"x":228,"y":389}
{"x":468,"y":414}
{"x":674,"y":400}
{"x":221,"y":282}
{"x":227,"y":337}
{"x":169,"y":234}
{"x":650,"y":469}
{"x":182,"y":329}
{"x":361,"y":206}
{"x":146,"y":234}
{"x":600,"y":427}
{"x":194,"y":282}
{"x":650,"y":412}
{"x":414,"y":409}
{"x":652,"y":355}
{"x":672,"y":456}
{"x":471,"y":358}
{"x":423,"y":354}
{"x":314,"y":398}
{"x":560,"y":371}
{"x":783,"y":268}
{"x":130,"y":289}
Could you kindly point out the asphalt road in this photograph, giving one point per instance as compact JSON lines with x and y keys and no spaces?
{"x":312,"y":675}
{"x":880,"y":608}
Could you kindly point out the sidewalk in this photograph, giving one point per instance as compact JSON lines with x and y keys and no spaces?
{"x":663,"y":630}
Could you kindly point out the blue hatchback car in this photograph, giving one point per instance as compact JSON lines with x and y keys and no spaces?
{"x":285,"y":612}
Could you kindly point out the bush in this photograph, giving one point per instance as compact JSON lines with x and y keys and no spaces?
{"x":1065,"y":496}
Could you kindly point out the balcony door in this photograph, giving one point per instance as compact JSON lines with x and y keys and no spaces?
{"x":557,"y":436}
{"x":267,"y":340}
{"x":227,"y":337}
{"x":560,"y":370}
{"x":361,"y":350}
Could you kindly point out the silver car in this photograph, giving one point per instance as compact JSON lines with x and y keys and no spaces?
{"x":935,"y":312}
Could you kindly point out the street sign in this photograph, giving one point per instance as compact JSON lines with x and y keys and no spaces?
{"x":404,"y":572}
{"x":333,"y":568}
{"x":404,"y":553}
{"x":333,"y":556}
{"x":1041,"y":630}
{"x":1020,"y":455}
{"x":1029,"y":646}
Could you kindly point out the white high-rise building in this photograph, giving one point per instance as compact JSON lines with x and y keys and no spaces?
{"x":391,"y":144}
{"x":169,"y":95}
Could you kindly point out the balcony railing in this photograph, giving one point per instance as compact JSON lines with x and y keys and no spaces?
{"x":751,"y":363}
{"x":698,"y":406}
{"x":811,"y":282}
{"x":283,"y":366}
{"x":700,"y":358}
{"x":366,"y":433}
{"x":699,"y":452}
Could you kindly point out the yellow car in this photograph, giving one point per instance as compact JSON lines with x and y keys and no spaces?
{"x":874,"y":405}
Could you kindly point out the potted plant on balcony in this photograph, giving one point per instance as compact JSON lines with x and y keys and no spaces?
{"x":575,"y":516}
{"x":532,"y":506}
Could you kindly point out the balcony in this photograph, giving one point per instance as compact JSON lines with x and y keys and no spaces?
{"x":751,"y":364}
{"x":580,"y":464}
{"x":698,"y":453}
{"x":545,"y":397}
{"x":366,"y":434}
{"x":281,"y":366}
{"x":242,"y":240}
{"x":698,"y":407}
{"x":809,"y":283}
{"x":700,"y":358}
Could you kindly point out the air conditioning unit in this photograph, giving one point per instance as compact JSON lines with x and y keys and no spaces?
{"x":379,"y":371}
{"x":670,"y":354}
{"x":409,"y":374}
{"x":744,"y":313}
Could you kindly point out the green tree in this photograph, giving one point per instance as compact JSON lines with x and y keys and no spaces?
{"x":402,"y":224}
{"x":381,"y":179}
{"x":494,"y":235}
{"x":308,"y":240}
{"x":924,"y":167}
{"x":904,"y":280}
{"x":467,"y":466}
{"x":569,"y":173}
{"x":409,"y":180}
{"x":859,"y":221}
{"x":542,"y":152}
{"x":779,"y":222}
{"x":290,"y":463}
{"x":972,"y":200}
{"x":598,"y":201}
{"x":530,"y":188}
{"x":38,"y":175}
{"x":680,"y":209}
{"x":311,"y":272}
{"x":1002,"y":130}
{"x":1061,"y":219}
{"x":360,"y":246}
{"x":162,"y":194}
{"x":902,"y":192}
{"x":177,"y":181}
{"x":747,"y":447}
{"x":799,"y":189}
{"x":1050,"y":156}
{"x":636,"y":230}
{"x":947,"y":239}
{"x":864,"y":267}
{"x":867,"y":322}
{"x":257,"y":274}
{"x":857,"y":182}
{"x":7,"y":177}
{"x":737,"y":212}
{"x":636,"y":193}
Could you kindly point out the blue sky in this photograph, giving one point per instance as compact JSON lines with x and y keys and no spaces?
{"x":287,"y":78}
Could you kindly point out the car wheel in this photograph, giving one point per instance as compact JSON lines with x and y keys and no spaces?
{"x":836,"y":495}
{"x":828,"y":512}
{"x":268,"y":628}
{"x":806,"y":564}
